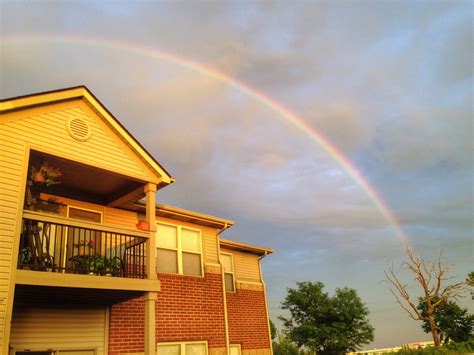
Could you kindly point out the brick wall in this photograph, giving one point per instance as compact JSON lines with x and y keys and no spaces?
{"x":187,"y":309}
{"x":247,"y":317}
{"x":127,"y":327}
{"x":191,"y":308}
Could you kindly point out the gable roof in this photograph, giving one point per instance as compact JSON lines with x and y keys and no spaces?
{"x":83,"y":93}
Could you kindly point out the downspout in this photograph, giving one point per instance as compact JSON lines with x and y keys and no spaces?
{"x":265,"y":298}
{"x":224,"y":292}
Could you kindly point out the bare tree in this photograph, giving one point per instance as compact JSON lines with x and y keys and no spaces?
{"x":431,"y":276}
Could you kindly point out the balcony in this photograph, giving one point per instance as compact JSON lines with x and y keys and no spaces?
{"x":62,"y":256}
{"x":54,"y":244}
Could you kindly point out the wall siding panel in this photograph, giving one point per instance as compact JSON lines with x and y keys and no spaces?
{"x":210,"y":247}
{"x":103,"y":149}
{"x":113,"y":217}
{"x":246,"y":266}
{"x":11,"y":167}
{"x":58,"y":328}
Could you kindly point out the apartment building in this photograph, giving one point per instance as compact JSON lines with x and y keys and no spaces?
{"x":90,"y":263}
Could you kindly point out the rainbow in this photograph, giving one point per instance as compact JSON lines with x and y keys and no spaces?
{"x":240,"y":86}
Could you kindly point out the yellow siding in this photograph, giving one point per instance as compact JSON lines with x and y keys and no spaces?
{"x":12,"y":154}
{"x":120,"y":218}
{"x":111,"y":216}
{"x":209,"y":238}
{"x":45,"y":129}
{"x":257,"y":352}
{"x":210,"y":247}
{"x":58,"y":329}
{"x":246,"y":265}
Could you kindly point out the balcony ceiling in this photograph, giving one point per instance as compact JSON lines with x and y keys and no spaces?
{"x":46,"y":295}
{"x":84,"y":182}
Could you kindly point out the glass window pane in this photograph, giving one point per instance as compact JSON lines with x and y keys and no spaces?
{"x":226,"y":261}
{"x":195,"y":349}
{"x":229,"y":282}
{"x":89,"y":216}
{"x":169,"y":349}
{"x":192,"y":264}
{"x":166,"y":236}
{"x":166,"y":260}
{"x":190,"y":240}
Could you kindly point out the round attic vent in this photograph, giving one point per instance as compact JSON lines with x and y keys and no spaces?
{"x":79,"y":129}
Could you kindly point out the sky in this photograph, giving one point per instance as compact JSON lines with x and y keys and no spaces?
{"x":388,"y":84}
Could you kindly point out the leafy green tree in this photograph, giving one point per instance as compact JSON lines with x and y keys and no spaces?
{"x":273,"y":330}
{"x":453,"y":322}
{"x":324,"y":324}
{"x":285,"y":346}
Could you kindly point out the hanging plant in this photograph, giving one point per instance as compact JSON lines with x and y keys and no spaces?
{"x":45,"y":174}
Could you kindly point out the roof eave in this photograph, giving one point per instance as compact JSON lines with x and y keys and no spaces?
{"x":230,"y":244}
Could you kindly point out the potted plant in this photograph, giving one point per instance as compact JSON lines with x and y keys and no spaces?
{"x":84,"y":247}
{"x":96,"y":265}
{"x":45,"y":174}
{"x":113,"y":266}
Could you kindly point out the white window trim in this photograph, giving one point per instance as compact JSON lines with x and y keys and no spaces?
{"x":85,"y":209}
{"x":233,"y":270}
{"x":182,"y":347}
{"x":236,"y":346}
{"x":68,"y":208}
{"x":180,"y":249}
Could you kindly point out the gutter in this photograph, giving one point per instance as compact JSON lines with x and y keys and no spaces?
{"x":265,"y":298}
{"x":224,"y":292}
{"x":226,"y":226}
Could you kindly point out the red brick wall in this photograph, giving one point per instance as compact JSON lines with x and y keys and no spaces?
{"x":188,"y":308}
{"x":127,"y":327}
{"x":247,"y":317}
{"x":191,"y":308}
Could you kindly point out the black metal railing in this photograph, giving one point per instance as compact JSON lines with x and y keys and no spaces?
{"x":67,"y":248}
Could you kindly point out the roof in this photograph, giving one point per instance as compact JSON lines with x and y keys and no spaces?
{"x":191,"y":216}
{"x":230,"y":244}
{"x":183,"y":215}
{"x":83,"y":93}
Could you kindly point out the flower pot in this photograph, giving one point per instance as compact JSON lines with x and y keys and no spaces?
{"x":38,"y":177}
{"x":143,"y":225}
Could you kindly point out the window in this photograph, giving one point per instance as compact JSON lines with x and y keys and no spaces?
{"x":194,"y":348}
{"x":234,"y":349}
{"x":178,"y":250}
{"x":84,"y":214}
{"x":228,"y":265}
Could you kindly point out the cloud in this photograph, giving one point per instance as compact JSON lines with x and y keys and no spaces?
{"x":389,"y":84}
{"x":427,"y":137}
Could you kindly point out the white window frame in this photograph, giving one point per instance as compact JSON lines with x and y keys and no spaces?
{"x":233,"y":270}
{"x":68,"y":208}
{"x":236,"y":346}
{"x":180,"y":249}
{"x":183,"y":344}
{"x":85,"y":209}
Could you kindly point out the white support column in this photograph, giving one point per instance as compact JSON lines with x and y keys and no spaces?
{"x":150,"y":323}
{"x":150,"y":297}
{"x":150,"y":190}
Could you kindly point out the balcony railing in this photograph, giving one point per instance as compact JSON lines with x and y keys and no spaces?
{"x":57,"y":244}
